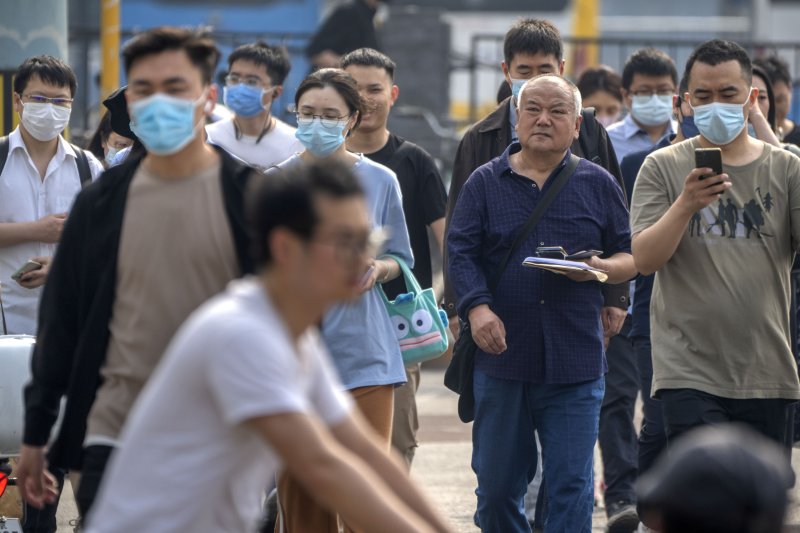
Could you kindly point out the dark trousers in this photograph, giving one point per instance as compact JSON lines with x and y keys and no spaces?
{"x":95,"y":460}
{"x":652,"y":439}
{"x":44,"y":520}
{"x":685,"y":409}
{"x":617,"y":436}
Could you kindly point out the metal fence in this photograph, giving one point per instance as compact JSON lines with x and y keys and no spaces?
{"x":486,"y":53}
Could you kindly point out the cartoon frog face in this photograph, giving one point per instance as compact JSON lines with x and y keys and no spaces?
{"x":414,"y":326}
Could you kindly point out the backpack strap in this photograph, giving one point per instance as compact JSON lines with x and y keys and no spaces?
{"x":590,"y":136}
{"x":398,"y":155}
{"x":84,"y":172}
{"x":3,"y":151}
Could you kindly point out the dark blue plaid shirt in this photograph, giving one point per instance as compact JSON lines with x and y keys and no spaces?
{"x":553,"y":328}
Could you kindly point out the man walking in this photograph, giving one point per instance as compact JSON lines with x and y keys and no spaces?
{"x":539,"y":364}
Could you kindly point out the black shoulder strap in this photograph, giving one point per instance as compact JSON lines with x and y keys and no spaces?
{"x":398,"y":155}
{"x":3,"y":151}
{"x":589,"y":137}
{"x":560,"y":179}
{"x":84,"y":172}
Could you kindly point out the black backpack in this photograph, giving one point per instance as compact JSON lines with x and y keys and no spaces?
{"x":590,"y":136}
{"x":84,"y":172}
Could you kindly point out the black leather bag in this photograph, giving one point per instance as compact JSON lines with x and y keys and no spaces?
{"x":459,"y":374}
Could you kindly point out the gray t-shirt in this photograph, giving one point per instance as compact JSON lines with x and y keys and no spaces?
{"x":720,"y":307}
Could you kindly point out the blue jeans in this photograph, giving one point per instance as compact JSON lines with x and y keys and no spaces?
{"x":504,"y":451}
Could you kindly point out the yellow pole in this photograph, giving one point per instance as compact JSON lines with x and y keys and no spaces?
{"x":109,"y":43}
{"x":585,"y":24}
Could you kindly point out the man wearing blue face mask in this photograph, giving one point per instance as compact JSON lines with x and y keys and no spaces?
{"x":256,"y":73}
{"x":649,"y":80}
{"x":140,"y":251}
{"x":720,"y":302}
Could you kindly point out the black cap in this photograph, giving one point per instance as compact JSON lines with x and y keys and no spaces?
{"x":719,"y":478}
{"x":118,"y":107}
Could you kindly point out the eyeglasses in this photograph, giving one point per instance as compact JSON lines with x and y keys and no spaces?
{"x":327,"y":122}
{"x":39,"y":99}
{"x":350,"y":248}
{"x":250,"y":81}
{"x":649,"y":93}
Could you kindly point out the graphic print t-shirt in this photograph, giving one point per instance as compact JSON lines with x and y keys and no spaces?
{"x":720,"y":306}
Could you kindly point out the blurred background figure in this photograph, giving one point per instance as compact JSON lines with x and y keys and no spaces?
{"x":347,"y":28}
{"x":601,"y":88}
{"x":717,"y":479}
{"x":778,"y":72}
{"x":106,"y":143}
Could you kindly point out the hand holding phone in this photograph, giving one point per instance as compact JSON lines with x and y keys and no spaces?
{"x":29,"y":266}
{"x":708,"y":158}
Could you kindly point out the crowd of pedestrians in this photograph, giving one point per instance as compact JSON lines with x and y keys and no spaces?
{"x":207,"y":295}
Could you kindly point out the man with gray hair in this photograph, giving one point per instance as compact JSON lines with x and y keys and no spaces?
{"x":540,"y":363}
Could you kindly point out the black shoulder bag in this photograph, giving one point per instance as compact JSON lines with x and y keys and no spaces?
{"x":458,"y":376}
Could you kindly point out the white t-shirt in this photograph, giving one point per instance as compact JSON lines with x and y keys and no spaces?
{"x":185,"y":461}
{"x":277,"y":145}
{"x":26,"y":197}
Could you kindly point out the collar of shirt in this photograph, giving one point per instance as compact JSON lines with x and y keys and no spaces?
{"x":512,"y":119}
{"x":15,"y":141}
{"x":505,"y":162}
{"x":630,"y":128}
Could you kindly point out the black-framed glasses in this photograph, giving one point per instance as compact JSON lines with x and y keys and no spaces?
{"x":251,"y":81}
{"x":327,"y":122}
{"x":39,"y":99}
{"x":649,"y":92}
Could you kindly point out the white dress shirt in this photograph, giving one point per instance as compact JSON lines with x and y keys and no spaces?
{"x":25,"y":197}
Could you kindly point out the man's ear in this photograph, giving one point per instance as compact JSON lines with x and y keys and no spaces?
{"x":211,"y":99}
{"x":506,"y":73}
{"x":17,"y":103}
{"x":561,"y":67}
{"x":578,"y":121}
{"x":394,"y":94}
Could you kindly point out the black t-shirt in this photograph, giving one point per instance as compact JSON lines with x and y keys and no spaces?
{"x":793,"y":136}
{"x":424,"y":202}
{"x":348,"y":28}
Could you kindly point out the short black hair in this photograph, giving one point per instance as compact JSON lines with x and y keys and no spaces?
{"x":761,"y":73}
{"x":342,"y":82}
{"x":532,"y":36}
{"x":602,"y":78}
{"x":275,"y":59}
{"x":648,"y":62}
{"x":285,"y":197}
{"x":197,"y":44}
{"x":718,"y":51}
{"x":369,"y":57}
{"x":776,"y":68}
{"x":49,"y":69}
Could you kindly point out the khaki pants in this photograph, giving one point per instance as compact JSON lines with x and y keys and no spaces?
{"x":406,"y":422}
{"x":299,"y":512}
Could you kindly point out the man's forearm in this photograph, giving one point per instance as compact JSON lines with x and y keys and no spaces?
{"x":620,"y":267}
{"x":654,"y":246}
{"x":12,"y":233}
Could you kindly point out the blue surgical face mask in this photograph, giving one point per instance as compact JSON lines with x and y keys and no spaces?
{"x":688,"y":127}
{"x":719,"y":123}
{"x":244,"y":100}
{"x":320,"y":140}
{"x":111,"y":155}
{"x":516,"y":87}
{"x":165,"y":124}
{"x":652,"y":110}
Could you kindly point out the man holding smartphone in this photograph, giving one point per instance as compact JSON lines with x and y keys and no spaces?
{"x":720,"y":305}
{"x":39,"y":180}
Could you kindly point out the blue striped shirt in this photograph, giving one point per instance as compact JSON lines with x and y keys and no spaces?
{"x":552,"y":323}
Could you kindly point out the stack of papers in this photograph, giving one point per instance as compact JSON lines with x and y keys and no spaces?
{"x":562,"y":266}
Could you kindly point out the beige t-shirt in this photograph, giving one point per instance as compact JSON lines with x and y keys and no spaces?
{"x":176,"y":251}
{"x":719,"y":313}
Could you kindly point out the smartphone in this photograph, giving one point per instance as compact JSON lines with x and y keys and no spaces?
{"x":551,"y":252}
{"x":583,"y":254}
{"x":30,"y":266}
{"x":708,"y":157}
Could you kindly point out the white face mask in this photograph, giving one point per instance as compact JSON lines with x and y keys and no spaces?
{"x":45,"y":121}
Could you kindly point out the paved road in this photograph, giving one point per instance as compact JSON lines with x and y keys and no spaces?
{"x":442,"y":462}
